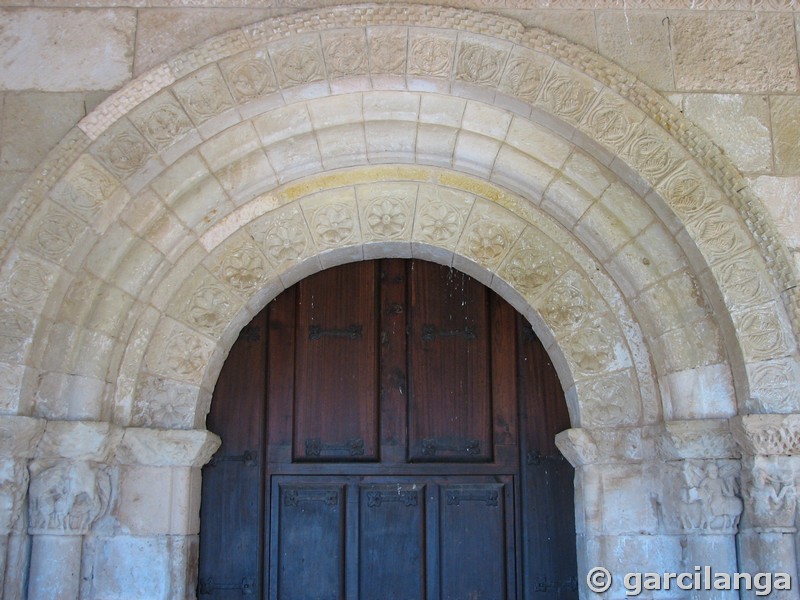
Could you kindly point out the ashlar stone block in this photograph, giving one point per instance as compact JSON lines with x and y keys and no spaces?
{"x":740,"y":124}
{"x":735,"y":52}
{"x":33,"y":61}
{"x":639,"y":42}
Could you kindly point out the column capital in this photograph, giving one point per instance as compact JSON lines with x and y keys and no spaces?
{"x":767,"y":435}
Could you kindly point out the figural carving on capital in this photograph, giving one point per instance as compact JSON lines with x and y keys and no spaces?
{"x":772,"y":496}
{"x":705,"y":497}
{"x":67,"y":498}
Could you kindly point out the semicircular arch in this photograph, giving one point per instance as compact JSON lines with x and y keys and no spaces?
{"x":123,"y":211}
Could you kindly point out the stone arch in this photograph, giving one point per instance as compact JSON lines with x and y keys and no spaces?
{"x":145,"y":134}
{"x":602,"y":207}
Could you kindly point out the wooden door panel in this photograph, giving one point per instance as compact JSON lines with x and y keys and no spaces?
{"x":392,"y":542}
{"x":546,"y":478}
{"x":450,"y":413}
{"x":309,"y":522}
{"x":474,"y":561}
{"x":336,"y":369}
{"x":444,"y":391}
{"x":233,"y":493}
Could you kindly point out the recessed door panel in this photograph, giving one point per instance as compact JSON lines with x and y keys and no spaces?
{"x":450,"y":402}
{"x":474,"y":561}
{"x":392,"y":542}
{"x":310,"y":526}
{"x":336,"y":369}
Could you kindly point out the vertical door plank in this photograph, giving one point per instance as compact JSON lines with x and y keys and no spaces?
{"x":232,"y":493}
{"x":504,"y":381}
{"x":310,"y":528}
{"x":450,"y":401}
{"x":393,"y":361}
{"x":336,"y":384}
{"x":280,"y":375}
{"x":548,"y":517}
{"x":474,"y":560}
{"x":391,"y":549}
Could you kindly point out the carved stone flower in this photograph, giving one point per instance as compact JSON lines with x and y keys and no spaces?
{"x":440,"y":222}
{"x":386,"y":217}
{"x":529,"y":274}
{"x":243,"y":269}
{"x":488,"y":241}
{"x":208,"y":307}
{"x":183,"y":355}
{"x":285,"y":242}
{"x":334,"y":224}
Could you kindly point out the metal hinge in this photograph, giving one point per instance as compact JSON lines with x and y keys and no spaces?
{"x":249,"y":458}
{"x":207,"y":587}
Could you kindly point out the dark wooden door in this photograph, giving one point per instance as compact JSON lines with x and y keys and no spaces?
{"x":387,"y":431}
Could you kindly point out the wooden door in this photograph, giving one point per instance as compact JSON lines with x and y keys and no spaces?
{"x":387,"y":429}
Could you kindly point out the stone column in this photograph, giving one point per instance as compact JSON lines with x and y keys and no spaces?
{"x":770,"y":471}
{"x":701,"y":496}
{"x":152,"y":549}
{"x":18,"y":439}
{"x":661,"y":498}
{"x":70,"y":489}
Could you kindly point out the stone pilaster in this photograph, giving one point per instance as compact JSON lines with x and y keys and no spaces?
{"x":18,"y":439}
{"x":770,"y":473}
{"x":151,"y":549}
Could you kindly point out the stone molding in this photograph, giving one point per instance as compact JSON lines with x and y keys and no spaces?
{"x":697,"y":439}
{"x":682,"y":5}
{"x":23,"y":438}
{"x":700,"y":439}
{"x":166,"y":447}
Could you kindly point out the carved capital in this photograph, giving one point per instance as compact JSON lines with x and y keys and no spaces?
{"x":770,"y":495}
{"x":13,"y":486}
{"x":702,"y":438}
{"x":702,"y":496}
{"x":767,"y":435}
{"x":66,"y":498}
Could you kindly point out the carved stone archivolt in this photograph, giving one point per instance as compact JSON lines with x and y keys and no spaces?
{"x":122,"y":142}
{"x":160,"y":369}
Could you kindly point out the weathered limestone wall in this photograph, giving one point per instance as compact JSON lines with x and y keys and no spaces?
{"x":196,"y":196}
